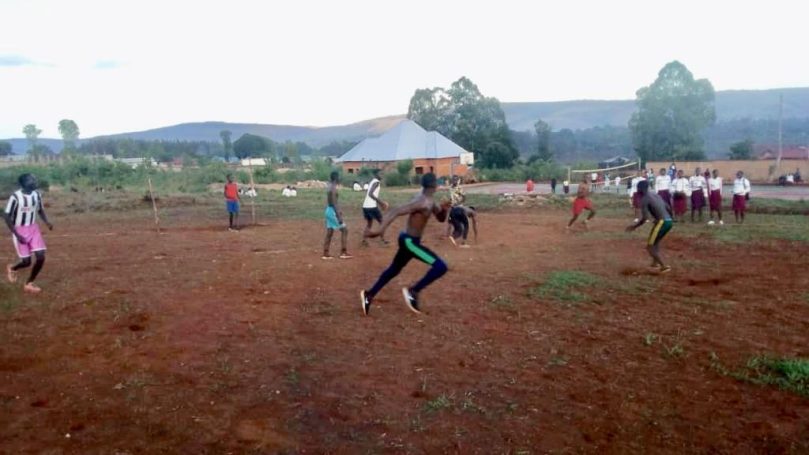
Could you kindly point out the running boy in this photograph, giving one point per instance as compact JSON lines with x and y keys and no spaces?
{"x":582,"y":203}
{"x":459,"y":217}
{"x":653,"y":205}
{"x":232,"y":200}
{"x":334,"y":219}
{"x":418,"y":211}
{"x":372,"y":203}
{"x":21,"y":218}
{"x":715,"y":196}
{"x":741,"y":193}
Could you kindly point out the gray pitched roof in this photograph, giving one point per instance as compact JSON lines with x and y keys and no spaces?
{"x":405,"y":141}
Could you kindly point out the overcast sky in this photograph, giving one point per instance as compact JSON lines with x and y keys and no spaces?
{"x":116,"y":66}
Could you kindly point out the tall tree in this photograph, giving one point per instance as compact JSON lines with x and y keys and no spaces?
{"x":225,"y":135}
{"x":70,"y":133}
{"x":249,"y":145}
{"x":543,"y":131}
{"x":467,"y":117}
{"x":32,"y":134}
{"x":5,"y":148}
{"x":672,"y":114}
{"x":742,"y":150}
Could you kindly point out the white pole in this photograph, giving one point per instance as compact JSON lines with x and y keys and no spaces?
{"x":154,"y":205}
{"x":780,"y":129}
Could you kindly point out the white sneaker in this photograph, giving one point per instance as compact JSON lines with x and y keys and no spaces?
{"x":711,"y":223}
{"x":636,"y":220}
{"x":721,"y":223}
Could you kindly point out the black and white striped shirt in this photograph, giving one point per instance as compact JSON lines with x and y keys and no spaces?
{"x":23,"y":208}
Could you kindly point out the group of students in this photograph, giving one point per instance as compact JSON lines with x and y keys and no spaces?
{"x":701,"y":189}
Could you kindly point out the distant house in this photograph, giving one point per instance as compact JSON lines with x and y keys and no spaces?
{"x":137,"y":162}
{"x":429,"y":151}
{"x":254,"y":162}
{"x":795,"y":152}
{"x":613,"y":162}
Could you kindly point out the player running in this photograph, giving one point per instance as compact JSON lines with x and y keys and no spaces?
{"x":418,"y":211}
{"x":21,"y":218}
{"x":582,"y":203}
{"x":334,"y":220}
{"x":459,"y":217}
{"x":372,"y":203}
{"x":653,"y":205}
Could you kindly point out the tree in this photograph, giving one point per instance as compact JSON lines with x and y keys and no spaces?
{"x":497,"y":155}
{"x":32,"y":134}
{"x":249,"y":145}
{"x":543,"y":141}
{"x":5,"y":148}
{"x":70,"y":133}
{"x":672,"y":114}
{"x":742,"y":150}
{"x":467,"y":117}
{"x":226,"y":143}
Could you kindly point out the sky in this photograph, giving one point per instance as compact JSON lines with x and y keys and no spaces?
{"x":119,"y":66}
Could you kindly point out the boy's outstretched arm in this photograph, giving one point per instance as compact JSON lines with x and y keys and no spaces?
{"x":392,"y":215}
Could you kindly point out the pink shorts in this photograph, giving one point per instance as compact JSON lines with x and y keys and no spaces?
{"x":32,"y":240}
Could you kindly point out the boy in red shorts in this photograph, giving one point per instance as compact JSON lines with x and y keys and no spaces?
{"x":21,"y":218}
{"x":582,"y":203}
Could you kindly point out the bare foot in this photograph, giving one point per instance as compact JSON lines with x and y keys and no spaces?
{"x":11,"y":274}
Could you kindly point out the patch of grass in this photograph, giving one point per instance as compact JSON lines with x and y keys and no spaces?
{"x":675,"y":350}
{"x":565,"y":285}
{"x":790,"y":374}
{"x":437,"y":404}
{"x":650,"y":338}
{"x":503,"y":303}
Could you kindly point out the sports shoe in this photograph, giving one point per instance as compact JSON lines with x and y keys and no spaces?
{"x":11,"y":274}
{"x":711,"y":223}
{"x":665,"y":269}
{"x":32,"y":288}
{"x":635,"y":220}
{"x":326,"y":257}
{"x":345,"y":255}
{"x":411,"y":300}
{"x":366,"y":302}
{"x":721,"y":223}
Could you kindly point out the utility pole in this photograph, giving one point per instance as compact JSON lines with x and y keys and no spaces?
{"x":780,"y":131}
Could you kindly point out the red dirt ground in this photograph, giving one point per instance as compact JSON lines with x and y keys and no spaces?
{"x":205,"y":341}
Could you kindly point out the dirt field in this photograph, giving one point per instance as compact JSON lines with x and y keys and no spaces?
{"x":204,"y":341}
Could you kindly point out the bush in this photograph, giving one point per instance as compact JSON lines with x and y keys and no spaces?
{"x":395,"y":179}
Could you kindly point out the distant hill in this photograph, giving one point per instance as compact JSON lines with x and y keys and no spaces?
{"x":583,"y":114}
{"x":730,"y":105}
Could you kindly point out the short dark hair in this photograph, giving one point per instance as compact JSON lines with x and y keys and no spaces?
{"x":473,"y":208}
{"x":333,"y":176}
{"x":428,"y":180}
{"x":24,"y":177}
{"x":643,"y":186}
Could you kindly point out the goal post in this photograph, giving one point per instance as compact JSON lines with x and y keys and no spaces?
{"x":633,"y":166}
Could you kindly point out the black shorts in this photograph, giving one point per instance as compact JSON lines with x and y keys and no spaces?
{"x":372,"y":214}
{"x":459,"y":222}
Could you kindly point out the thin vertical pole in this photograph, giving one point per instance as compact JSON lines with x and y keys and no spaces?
{"x":154,"y":205}
{"x":780,"y":130}
{"x":252,"y":198}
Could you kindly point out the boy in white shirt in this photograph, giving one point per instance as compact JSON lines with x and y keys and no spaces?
{"x":663,"y":186}
{"x":636,"y":197}
{"x":698,"y":190}
{"x":741,"y":194}
{"x":715,"y":196}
